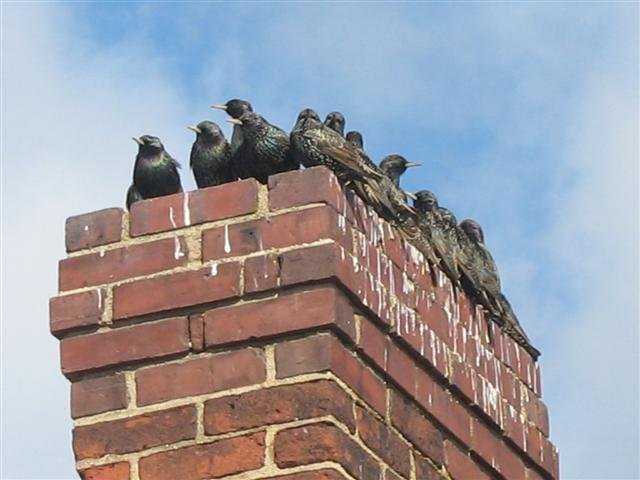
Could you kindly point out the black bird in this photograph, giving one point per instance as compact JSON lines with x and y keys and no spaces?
{"x":133,"y":195}
{"x":438,"y":225}
{"x":355,"y":138}
{"x":210,"y":156}
{"x":336,"y":122}
{"x":155,"y":172}
{"x":393,"y":166}
{"x":480,"y":267}
{"x":307,"y":118}
{"x":265,"y":149}
{"x":235,"y":108}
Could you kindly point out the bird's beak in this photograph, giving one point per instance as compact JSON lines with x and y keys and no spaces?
{"x":411,"y":195}
{"x":137,"y":140}
{"x":412,"y":164}
{"x":235,"y":121}
{"x":195,"y":129}
{"x":219,"y":106}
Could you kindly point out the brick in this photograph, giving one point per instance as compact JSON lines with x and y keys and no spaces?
{"x":196,"y":332}
{"x":93,"y":229}
{"x":233,"y":240}
{"x":426,"y":471}
{"x":374,"y":343}
{"x":309,"y":264}
{"x":306,"y":355}
{"x":384,"y":442}
{"x":261,"y":273}
{"x":135,"y":433}
{"x":112,"y":471}
{"x":97,"y":395}
{"x":122,"y":345}
{"x":324,"y":474}
{"x":417,"y":429}
{"x":223,"y":201}
{"x":278,"y":405}
{"x":122,"y":263}
{"x":311,"y":309}
{"x":461,"y":466}
{"x":302,"y":187}
{"x":202,"y":375}
{"x":390,"y":475}
{"x":402,"y":369}
{"x":76,"y":310}
{"x":158,"y":214}
{"x":178,"y":290}
{"x":323,"y":442}
{"x":218,"y":459}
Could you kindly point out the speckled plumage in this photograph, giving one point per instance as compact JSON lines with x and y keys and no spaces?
{"x":155,"y":172}
{"x":336,"y":122}
{"x":211,"y":156}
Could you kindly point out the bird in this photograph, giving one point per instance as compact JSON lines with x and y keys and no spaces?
{"x":133,"y":196}
{"x":437,"y":226}
{"x":481,"y":270}
{"x":235,"y":108}
{"x":336,"y":122}
{"x":265,"y":148}
{"x":355,"y":138}
{"x":307,"y":118}
{"x":210,"y":156}
{"x":155,"y":172}
{"x":393,"y":166}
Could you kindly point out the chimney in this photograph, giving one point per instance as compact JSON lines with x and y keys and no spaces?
{"x":283,"y":331}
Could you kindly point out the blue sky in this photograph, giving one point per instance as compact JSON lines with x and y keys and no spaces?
{"x":524,"y":115}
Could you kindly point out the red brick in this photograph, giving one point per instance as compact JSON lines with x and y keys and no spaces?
{"x":76,"y":310}
{"x":280,"y":404}
{"x":261,"y":273}
{"x":495,"y":452}
{"x":384,"y":442}
{"x":233,"y":240}
{"x":402,"y":369}
{"x":426,"y":471}
{"x":97,"y":395}
{"x":223,"y":201}
{"x":196,"y":332}
{"x":302,"y":187}
{"x":158,"y":215}
{"x":324,"y":474}
{"x":218,"y":459}
{"x":177,"y":290}
{"x":417,"y":429}
{"x":122,"y":345}
{"x":202,"y":375}
{"x":121,"y":263}
{"x":93,"y":229}
{"x":461,"y":466}
{"x":390,"y":475}
{"x":323,"y":442}
{"x":464,"y":379}
{"x":112,"y":471}
{"x":548,"y":459}
{"x":135,"y":433}
{"x":310,"y":264}
{"x":320,"y":307}
{"x":374,"y":343}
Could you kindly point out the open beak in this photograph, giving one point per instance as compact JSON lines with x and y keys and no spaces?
{"x":195,"y":129}
{"x":411,"y":195}
{"x":412,"y":164}
{"x":219,"y":106}
{"x":235,"y":121}
{"x":137,"y":140}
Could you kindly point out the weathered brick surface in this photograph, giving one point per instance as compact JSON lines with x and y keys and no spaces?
{"x":461,"y":466}
{"x":426,"y":471}
{"x":97,"y":395}
{"x":212,"y":460}
{"x":323,"y":442}
{"x":120,"y":263}
{"x":135,"y":433}
{"x":314,"y":185}
{"x":323,"y":474}
{"x":223,"y":201}
{"x":112,"y":471}
{"x":202,"y":375}
{"x":122,"y":345}
{"x":76,"y":310}
{"x":93,"y":229}
{"x":278,"y":405}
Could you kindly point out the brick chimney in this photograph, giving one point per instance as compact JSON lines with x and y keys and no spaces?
{"x":283,"y":331}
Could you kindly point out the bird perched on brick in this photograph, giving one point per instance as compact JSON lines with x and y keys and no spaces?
{"x":480,"y":271}
{"x":265,"y":149}
{"x":336,"y":122}
{"x":393,"y":166}
{"x":210,"y":156}
{"x":155,"y":172}
{"x":437,"y":226}
{"x":235,"y":108}
{"x":307,"y":118}
{"x":133,"y":196}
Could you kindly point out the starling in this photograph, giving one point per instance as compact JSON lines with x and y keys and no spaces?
{"x":133,"y":195}
{"x":483,"y":273}
{"x":155,"y":172}
{"x":355,"y":139}
{"x":235,"y":108}
{"x":393,"y":166}
{"x":336,"y":122}
{"x":307,"y":118}
{"x":438,"y":225}
{"x":210,"y":156}
{"x":265,"y":149}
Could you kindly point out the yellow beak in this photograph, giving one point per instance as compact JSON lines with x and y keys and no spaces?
{"x":235,"y":121}
{"x":194,"y":128}
{"x":412,"y":164}
{"x":219,"y":106}
{"x":137,"y":140}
